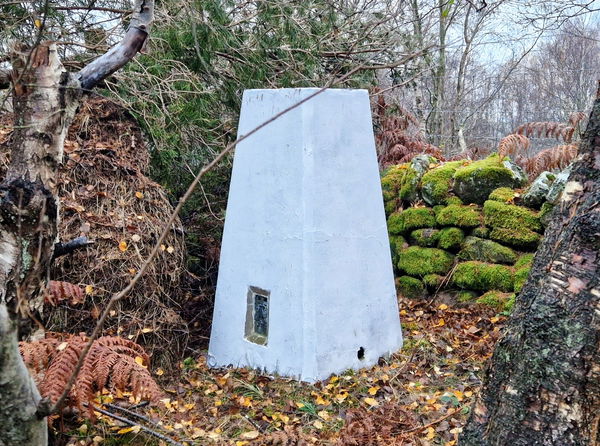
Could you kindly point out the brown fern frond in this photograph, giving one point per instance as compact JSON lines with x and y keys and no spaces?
{"x":112,"y":362}
{"x":546,"y":129}
{"x":59,"y":291}
{"x":61,"y":367}
{"x":576,"y":117}
{"x":513,"y":143}
{"x":38,"y":354}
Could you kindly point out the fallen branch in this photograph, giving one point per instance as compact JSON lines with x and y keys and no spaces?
{"x":61,"y":249}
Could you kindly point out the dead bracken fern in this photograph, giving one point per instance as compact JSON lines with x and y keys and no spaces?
{"x":113,"y":363}
{"x":383,"y":426}
{"x":58,"y":291}
{"x":397,"y":135}
{"x":512,"y":144}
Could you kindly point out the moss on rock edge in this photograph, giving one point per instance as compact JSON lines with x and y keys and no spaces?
{"x":436,"y":184}
{"x":450,"y":238}
{"x":457,"y":215}
{"x":401,"y":222}
{"x":417,"y":261}
{"x":410,"y":287}
{"x":481,"y":276}
{"x":474,"y":248}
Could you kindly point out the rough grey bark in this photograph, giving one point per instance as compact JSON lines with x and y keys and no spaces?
{"x":542,"y":386}
{"x":45,"y":98}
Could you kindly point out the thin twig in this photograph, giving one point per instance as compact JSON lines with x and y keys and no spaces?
{"x":142,"y":427}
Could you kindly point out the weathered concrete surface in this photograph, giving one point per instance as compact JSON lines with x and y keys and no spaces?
{"x":305,"y":222}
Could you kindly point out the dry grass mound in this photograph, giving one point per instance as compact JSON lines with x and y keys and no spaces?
{"x":106,"y":197}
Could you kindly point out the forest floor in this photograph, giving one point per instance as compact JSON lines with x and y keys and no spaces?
{"x":419,"y":396}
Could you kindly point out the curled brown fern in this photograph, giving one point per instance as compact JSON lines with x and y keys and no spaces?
{"x":548,"y":129}
{"x":112,"y":362}
{"x":512,"y":144}
{"x":60,"y":291}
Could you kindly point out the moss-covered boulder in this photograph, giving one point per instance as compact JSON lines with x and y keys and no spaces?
{"x":450,"y":239}
{"x":524,"y":239}
{"x":481,"y":276}
{"x":397,"y":244}
{"x":510,"y":216}
{"x":426,"y":237}
{"x":535,"y":195}
{"x":401,"y":222}
{"x":498,"y":300}
{"x":417,"y":261}
{"x":473,"y":183}
{"x":457,"y":215}
{"x":410,"y":287}
{"x":399,"y":183}
{"x":522,"y":268}
{"x":474,"y":248}
{"x":503,"y":194}
{"x":437,"y":183}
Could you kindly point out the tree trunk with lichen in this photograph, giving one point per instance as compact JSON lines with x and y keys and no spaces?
{"x":44,"y":101}
{"x":45,"y":98}
{"x":542,"y":386}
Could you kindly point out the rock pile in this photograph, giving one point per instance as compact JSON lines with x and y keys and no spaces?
{"x":462,"y":228}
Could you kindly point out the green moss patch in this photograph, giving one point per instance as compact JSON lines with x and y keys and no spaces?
{"x":400,"y":183}
{"x":545,"y":213}
{"x":497,"y":300}
{"x":450,"y":238}
{"x":473,"y":183}
{"x":522,"y":268}
{"x":436,"y":184}
{"x":410,"y":287}
{"x":426,"y":237}
{"x":509,"y":216}
{"x":417,"y":261}
{"x":457,"y":215}
{"x":475,"y":248}
{"x":519,"y":238}
{"x":401,"y":222}
{"x":433,"y":281}
{"x":481,"y":232}
{"x":397,"y":244}
{"x":480,"y":276}
{"x":502,"y":194}
{"x":466,"y":296}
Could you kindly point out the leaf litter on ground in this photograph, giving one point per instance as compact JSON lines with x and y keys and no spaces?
{"x":418,"y":396}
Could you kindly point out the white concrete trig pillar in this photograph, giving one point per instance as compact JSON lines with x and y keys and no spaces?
{"x":305,"y":286}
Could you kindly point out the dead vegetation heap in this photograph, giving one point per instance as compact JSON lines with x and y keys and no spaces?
{"x":106,"y":197}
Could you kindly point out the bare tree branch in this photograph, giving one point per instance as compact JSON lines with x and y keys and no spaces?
{"x":124,"y":51}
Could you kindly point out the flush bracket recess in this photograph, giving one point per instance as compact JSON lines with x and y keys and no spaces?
{"x":257,"y":315}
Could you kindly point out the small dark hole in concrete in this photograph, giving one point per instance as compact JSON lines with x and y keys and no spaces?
{"x":361,"y":353}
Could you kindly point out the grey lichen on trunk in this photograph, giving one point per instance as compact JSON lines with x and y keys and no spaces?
{"x":45,"y":98}
{"x":20,"y":397}
{"x":542,"y":386}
